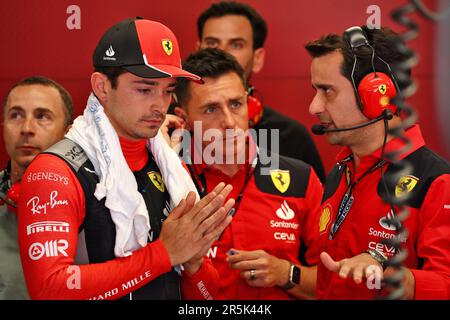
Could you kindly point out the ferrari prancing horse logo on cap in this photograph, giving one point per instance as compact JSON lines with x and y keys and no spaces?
{"x":167,"y":46}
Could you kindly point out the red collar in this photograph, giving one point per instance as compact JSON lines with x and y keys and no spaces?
{"x":413,"y":134}
{"x":202,"y":167}
{"x":135,"y":153}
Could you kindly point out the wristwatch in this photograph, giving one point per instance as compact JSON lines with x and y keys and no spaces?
{"x":294,"y":277}
{"x":379,"y":257}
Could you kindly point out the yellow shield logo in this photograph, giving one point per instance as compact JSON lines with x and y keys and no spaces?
{"x":382,"y":88}
{"x":167,"y":46}
{"x":325,"y":218}
{"x":281,"y":179}
{"x":405,"y":185}
{"x":156,"y":179}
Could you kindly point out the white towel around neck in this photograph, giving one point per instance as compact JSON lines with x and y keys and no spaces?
{"x":97,"y":137}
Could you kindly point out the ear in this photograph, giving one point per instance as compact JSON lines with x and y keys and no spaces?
{"x":101,"y":86}
{"x":258,"y":60}
{"x":180,"y":112}
{"x":198,"y":45}
{"x":67,"y":128}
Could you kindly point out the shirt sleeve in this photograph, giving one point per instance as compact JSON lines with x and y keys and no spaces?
{"x":310,"y":229}
{"x":51,"y":211}
{"x":203,"y":285}
{"x":432,"y":281}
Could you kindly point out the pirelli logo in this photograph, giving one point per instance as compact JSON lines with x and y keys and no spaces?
{"x":47,"y":226}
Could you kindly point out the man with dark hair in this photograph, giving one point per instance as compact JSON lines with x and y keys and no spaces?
{"x":267,"y":251}
{"x":241,"y":31}
{"x":110,"y":211}
{"x":36,"y":114}
{"x":354,"y":88}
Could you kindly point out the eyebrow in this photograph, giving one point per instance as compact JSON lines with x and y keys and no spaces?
{"x":39,"y":109}
{"x":218,"y":39}
{"x":215,"y":103}
{"x":321,"y":86}
{"x":153,"y":83}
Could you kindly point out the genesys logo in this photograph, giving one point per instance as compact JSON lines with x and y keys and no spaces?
{"x":386,"y":221}
{"x":49,"y":176}
{"x":52,"y":248}
{"x":285,"y":212}
{"x":47,"y":226}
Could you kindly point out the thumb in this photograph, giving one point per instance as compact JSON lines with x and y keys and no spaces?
{"x":329,"y":263}
{"x":178,"y":211}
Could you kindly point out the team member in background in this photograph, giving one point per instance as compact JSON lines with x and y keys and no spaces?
{"x":241,"y":31}
{"x":267,"y":251}
{"x":102,"y":216}
{"x":36,"y":113}
{"x":353,"y":84}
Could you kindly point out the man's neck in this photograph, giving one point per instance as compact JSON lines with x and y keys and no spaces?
{"x":372,"y":141}
{"x":227,"y":169}
{"x":16,"y":172}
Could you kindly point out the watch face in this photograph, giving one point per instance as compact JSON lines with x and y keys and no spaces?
{"x":296,"y":275}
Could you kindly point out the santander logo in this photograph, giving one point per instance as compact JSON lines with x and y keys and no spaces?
{"x":285,"y":212}
{"x":385,"y":223}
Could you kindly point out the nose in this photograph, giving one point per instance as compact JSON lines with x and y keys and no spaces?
{"x":316,"y":106}
{"x":160,"y":102}
{"x":228,"y":121}
{"x":28,"y":127}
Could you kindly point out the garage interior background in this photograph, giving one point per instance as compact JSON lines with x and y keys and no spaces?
{"x":36,"y":40}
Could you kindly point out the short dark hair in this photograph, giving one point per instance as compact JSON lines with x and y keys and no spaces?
{"x":112,"y":73}
{"x":44,"y":81}
{"x":217,"y":10}
{"x":207,"y":63}
{"x":383,"y":40}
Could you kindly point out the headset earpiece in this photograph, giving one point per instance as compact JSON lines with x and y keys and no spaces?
{"x":255,"y":110}
{"x":376,"y":90}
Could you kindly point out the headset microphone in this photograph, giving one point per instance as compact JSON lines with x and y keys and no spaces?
{"x":319,"y":129}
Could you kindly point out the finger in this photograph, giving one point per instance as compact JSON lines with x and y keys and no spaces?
{"x":344,"y":271}
{"x":201,"y":204}
{"x":206,"y":200}
{"x":219,"y":187}
{"x":246,"y":265}
{"x":212,"y":220}
{"x":190,"y":201}
{"x":216,"y":203}
{"x":241,"y":255}
{"x":249,"y":275}
{"x":178,"y":211}
{"x":217,"y":232}
{"x":374,"y":271}
{"x":358,"y":274}
{"x":209,"y":210}
{"x":329,"y":263}
{"x":226,"y":190}
{"x":227,"y":207}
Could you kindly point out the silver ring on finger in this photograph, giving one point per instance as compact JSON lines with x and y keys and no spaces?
{"x":252,"y":274}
